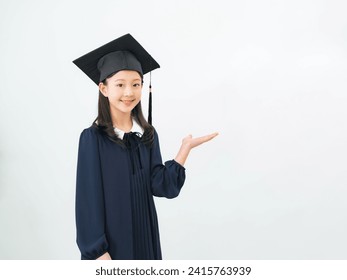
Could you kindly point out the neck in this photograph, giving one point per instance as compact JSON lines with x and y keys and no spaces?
{"x":121,"y":120}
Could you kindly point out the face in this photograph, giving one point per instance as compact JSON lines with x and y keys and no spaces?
{"x":123,"y":90}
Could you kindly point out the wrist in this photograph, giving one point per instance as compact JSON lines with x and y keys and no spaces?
{"x":185,"y":147}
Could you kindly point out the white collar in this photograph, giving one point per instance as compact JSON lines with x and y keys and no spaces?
{"x":136,"y":128}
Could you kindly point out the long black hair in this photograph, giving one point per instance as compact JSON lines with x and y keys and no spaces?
{"x":104,"y":121}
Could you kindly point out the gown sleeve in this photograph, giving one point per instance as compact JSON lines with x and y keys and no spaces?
{"x":166,"y":180}
{"x":90,"y":216}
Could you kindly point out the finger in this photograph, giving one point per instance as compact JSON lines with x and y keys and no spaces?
{"x":213,"y":135}
{"x":188,"y":137}
{"x":209,"y":137}
{"x":203,"y":139}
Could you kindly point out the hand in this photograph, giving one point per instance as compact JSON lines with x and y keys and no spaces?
{"x":191,"y":142}
{"x":188,"y":143}
{"x":105,"y":256}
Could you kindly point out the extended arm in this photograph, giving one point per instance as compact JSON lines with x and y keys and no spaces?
{"x":168,"y":179}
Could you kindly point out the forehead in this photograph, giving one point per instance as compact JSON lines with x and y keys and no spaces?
{"x":126,"y":75}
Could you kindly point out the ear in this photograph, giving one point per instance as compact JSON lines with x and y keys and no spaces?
{"x":103,"y":89}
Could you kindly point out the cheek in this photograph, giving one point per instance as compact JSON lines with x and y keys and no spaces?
{"x":114,"y":94}
{"x":138,"y":94}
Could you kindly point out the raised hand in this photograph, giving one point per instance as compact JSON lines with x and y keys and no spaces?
{"x":189,"y":143}
{"x":194,"y":142}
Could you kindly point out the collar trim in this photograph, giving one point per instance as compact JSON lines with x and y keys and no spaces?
{"x":136,"y":128}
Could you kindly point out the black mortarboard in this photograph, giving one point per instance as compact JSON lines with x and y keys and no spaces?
{"x":123,"y":53}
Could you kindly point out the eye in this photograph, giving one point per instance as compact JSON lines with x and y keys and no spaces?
{"x":136,"y":85}
{"x":119,"y":85}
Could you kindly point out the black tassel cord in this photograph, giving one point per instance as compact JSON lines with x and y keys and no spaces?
{"x":150,"y":100}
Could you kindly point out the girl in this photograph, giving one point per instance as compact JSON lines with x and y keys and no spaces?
{"x":119,"y":167}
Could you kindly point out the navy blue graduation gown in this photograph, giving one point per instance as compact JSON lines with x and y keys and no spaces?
{"x":115,"y":210}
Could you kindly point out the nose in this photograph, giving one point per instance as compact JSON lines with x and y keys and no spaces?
{"x":128,"y":92}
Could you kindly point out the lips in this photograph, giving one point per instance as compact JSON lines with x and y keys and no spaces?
{"x":128,"y":102}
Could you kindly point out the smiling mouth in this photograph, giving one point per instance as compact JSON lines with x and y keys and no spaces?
{"x":127,"y":101}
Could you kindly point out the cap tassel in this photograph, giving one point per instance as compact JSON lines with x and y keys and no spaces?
{"x":150,"y":100}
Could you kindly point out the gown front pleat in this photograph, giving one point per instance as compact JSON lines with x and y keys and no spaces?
{"x":144,"y":222}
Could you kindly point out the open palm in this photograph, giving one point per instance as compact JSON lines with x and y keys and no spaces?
{"x":191,"y":142}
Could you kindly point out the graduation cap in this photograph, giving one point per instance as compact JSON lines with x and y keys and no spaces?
{"x":123,"y":53}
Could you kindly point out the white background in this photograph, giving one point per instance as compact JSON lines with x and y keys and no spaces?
{"x":269,"y":76}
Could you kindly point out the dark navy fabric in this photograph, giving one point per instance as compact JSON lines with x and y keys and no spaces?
{"x":115,"y":210}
